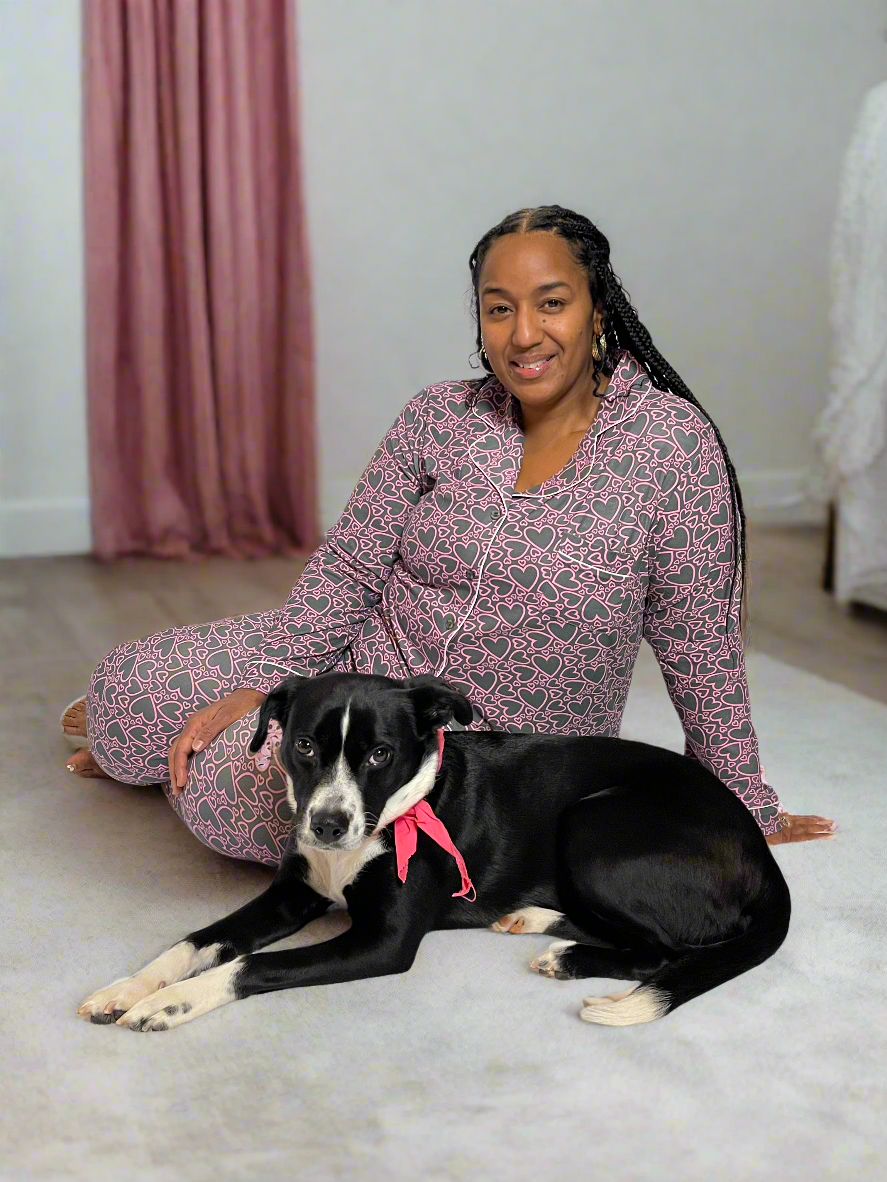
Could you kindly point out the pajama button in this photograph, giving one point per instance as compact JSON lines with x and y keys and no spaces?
{"x":449,"y":623}
{"x":496,"y":514}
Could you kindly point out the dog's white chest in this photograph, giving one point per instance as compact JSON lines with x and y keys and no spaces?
{"x":330,"y":871}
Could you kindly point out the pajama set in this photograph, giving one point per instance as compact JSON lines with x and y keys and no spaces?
{"x":532,"y":603}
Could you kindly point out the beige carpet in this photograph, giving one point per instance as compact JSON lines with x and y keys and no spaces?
{"x":468,"y":1067}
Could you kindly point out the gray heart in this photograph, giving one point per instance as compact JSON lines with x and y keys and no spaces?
{"x":606,"y":509}
{"x":527,"y":578}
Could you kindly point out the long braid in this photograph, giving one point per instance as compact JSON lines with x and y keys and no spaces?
{"x":622,"y":329}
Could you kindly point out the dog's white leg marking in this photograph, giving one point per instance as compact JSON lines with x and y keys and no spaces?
{"x":527,"y":921}
{"x":186,"y":1000}
{"x":630,"y":1008}
{"x":180,"y":961}
{"x":548,"y":963}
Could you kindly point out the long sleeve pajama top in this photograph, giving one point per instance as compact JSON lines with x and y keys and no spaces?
{"x":534,"y":603}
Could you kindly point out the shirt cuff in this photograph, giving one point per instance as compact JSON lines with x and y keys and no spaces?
{"x":767,"y":817}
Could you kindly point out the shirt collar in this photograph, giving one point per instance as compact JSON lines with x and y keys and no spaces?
{"x":497,"y":448}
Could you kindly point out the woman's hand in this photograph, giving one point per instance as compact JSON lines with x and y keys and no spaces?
{"x":203,"y":726}
{"x":794,"y":828}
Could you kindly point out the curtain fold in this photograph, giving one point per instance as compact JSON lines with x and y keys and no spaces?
{"x":199,"y":348}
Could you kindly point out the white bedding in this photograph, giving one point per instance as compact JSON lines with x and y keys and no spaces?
{"x":860,"y":571}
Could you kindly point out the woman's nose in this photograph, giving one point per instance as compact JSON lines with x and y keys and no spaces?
{"x":527,"y":329}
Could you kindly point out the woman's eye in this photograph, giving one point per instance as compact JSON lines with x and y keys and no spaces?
{"x":379,"y":756}
{"x":557,"y":303}
{"x":495,"y":311}
{"x":304,"y":746}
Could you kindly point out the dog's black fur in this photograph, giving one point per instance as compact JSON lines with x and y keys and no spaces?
{"x":659,"y":873}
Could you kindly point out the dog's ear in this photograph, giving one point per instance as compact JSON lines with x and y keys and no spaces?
{"x":436,"y":703}
{"x":277,"y":706}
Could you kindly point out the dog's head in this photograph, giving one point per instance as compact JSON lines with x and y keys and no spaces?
{"x":358,"y":750}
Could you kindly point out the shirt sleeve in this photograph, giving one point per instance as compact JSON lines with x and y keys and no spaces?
{"x":343,"y":580}
{"x":690,"y":624}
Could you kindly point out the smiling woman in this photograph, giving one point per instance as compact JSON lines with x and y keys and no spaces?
{"x":517,"y":534}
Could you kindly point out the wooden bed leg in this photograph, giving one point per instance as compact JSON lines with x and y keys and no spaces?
{"x":828,"y":569}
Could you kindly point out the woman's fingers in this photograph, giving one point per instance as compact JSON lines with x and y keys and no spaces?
{"x":185,"y":745}
{"x":810,"y":828}
{"x":170,"y":758}
{"x":210,"y":726}
{"x":178,"y":757}
{"x":802,"y":828}
{"x":180,"y":762}
{"x":214,"y":719}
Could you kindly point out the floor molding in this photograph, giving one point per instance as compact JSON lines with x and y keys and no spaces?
{"x":792,"y":496}
{"x":44,"y":527}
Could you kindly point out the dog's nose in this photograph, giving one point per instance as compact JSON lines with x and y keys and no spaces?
{"x":329,"y":827}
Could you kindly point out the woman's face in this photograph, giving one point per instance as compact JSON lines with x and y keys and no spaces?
{"x":537,"y":319}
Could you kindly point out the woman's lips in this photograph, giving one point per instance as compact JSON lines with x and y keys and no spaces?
{"x":533,"y":369}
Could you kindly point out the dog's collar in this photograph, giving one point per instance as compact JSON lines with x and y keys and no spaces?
{"x":422,"y":816}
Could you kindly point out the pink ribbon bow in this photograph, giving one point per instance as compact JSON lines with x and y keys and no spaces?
{"x":422,"y":816}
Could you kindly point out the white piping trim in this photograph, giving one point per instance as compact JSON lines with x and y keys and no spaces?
{"x":477,"y":582}
{"x":604,"y":570}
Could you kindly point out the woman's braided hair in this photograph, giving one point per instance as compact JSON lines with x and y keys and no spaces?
{"x":620,"y":325}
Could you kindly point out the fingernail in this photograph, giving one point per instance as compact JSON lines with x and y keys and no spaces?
{"x":196,"y":746}
{"x":69,"y":766}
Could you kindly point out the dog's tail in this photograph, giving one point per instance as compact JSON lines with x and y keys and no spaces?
{"x":699,"y":970}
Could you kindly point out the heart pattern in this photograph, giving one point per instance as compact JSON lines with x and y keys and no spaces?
{"x":532,"y":603}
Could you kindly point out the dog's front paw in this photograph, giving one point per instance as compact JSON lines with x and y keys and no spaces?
{"x":184,"y":1001}
{"x":550,"y":963}
{"x":527,"y":920}
{"x":108,"y":1004}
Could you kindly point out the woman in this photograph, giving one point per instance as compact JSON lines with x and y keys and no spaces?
{"x":517,"y":535}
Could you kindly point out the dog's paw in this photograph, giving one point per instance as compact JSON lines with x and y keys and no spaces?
{"x":108,"y":1004}
{"x":512,"y":922}
{"x":550,"y":963}
{"x":184,"y":1001}
{"x":527,"y":921}
{"x":609,"y":999}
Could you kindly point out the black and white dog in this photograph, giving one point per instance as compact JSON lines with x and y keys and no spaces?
{"x":642,"y":863}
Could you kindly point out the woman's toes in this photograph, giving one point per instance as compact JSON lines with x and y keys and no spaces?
{"x":82,"y":763}
{"x":74,"y":718}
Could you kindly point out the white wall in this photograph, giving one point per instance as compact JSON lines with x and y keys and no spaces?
{"x":704,"y":136}
{"x":43,"y":471}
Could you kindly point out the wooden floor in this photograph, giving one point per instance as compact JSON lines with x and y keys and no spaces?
{"x":792,"y":618}
{"x":59,"y":616}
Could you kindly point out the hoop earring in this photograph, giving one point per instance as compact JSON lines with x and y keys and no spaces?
{"x":484,"y":360}
{"x":474,"y":359}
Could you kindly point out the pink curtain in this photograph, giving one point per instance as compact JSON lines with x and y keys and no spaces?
{"x":199,"y":366}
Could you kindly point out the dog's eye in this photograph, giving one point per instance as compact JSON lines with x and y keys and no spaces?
{"x":380,"y":756}
{"x":304,"y":746}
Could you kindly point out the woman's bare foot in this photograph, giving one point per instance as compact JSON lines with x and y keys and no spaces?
{"x":74,"y":719}
{"x":82,"y":763}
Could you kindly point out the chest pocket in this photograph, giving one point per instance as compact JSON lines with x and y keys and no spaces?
{"x":594,"y":579}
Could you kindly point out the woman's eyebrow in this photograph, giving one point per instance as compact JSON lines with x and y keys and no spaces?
{"x":539,"y":290}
